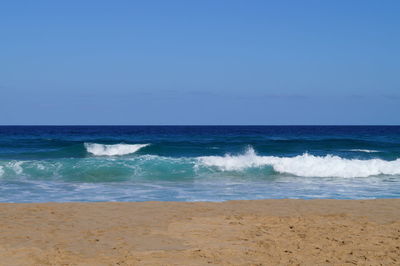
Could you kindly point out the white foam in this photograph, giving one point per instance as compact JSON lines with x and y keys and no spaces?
{"x":16,"y":166}
{"x":362,"y":150}
{"x":305,"y":165}
{"x":113,"y":150}
{"x":1,"y":171}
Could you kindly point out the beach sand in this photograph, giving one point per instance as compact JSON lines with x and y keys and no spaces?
{"x":262,"y":232}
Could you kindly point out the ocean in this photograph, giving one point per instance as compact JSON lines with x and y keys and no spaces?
{"x":197,"y":163}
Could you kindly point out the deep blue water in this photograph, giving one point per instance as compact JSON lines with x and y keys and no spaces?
{"x":193,"y":163}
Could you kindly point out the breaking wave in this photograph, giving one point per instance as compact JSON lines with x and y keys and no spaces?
{"x":305,"y":165}
{"x":112,"y":150}
{"x":249,"y":164}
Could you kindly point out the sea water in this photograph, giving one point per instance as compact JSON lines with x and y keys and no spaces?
{"x":197,"y":163}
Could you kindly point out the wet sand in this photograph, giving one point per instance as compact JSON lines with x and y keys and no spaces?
{"x":263,"y":232}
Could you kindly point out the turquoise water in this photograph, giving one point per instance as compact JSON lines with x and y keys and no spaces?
{"x":197,"y":163}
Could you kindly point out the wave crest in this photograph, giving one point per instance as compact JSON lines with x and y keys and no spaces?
{"x":305,"y":165}
{"x":112,"y":150}
{"x":363,"y":150}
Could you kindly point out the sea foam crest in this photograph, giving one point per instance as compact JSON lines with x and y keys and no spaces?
{"x":114,"y":149}
{"x":363,"y":150}
{"x":305,"y":165}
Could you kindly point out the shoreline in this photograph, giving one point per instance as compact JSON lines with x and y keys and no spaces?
{"x":245,"y":232}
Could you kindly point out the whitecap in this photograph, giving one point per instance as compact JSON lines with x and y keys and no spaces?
{"x":363,"y":150}
{"x":113,"y":150}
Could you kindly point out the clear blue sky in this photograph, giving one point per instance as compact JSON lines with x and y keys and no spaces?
{"x":200,"y":62}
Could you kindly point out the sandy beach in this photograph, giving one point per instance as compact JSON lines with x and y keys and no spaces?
{"x":263,"y":232}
